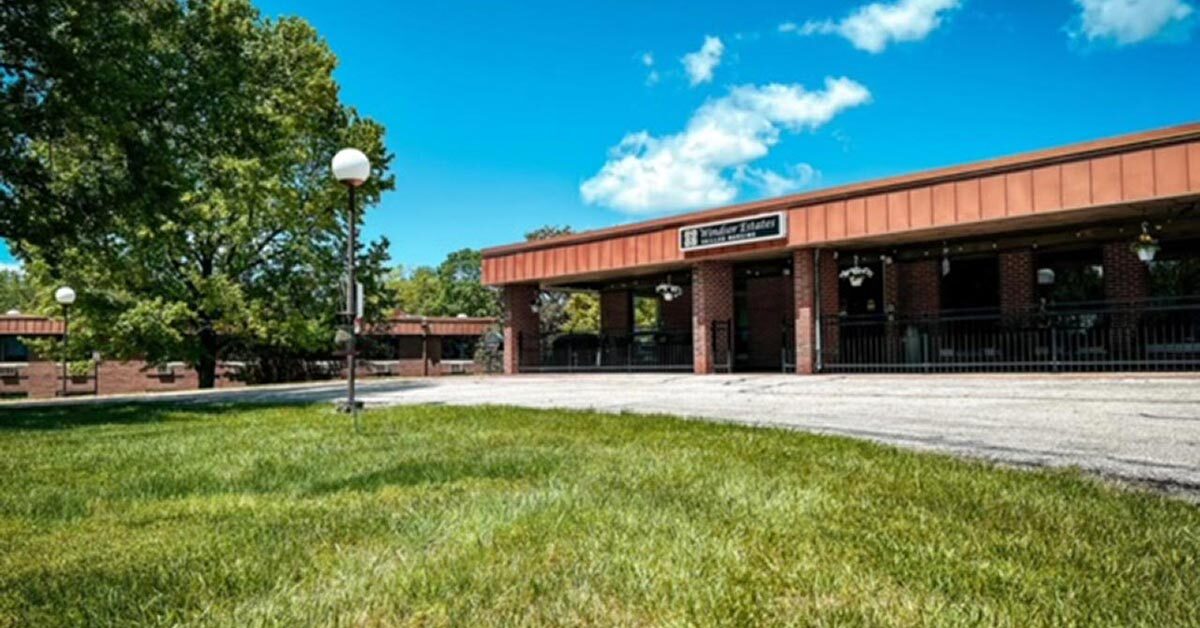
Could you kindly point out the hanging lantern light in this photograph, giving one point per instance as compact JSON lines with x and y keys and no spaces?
{"x":535,"y":305}
{"x":945,"y":261}
{"x":668,"y":291}
{"x":856,"y":274}
{"x":1146,"y":247}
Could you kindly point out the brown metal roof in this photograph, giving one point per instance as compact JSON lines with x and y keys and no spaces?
{"x":25,"y":325}
{"x":1146,"y":139}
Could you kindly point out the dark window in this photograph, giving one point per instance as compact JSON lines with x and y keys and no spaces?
{"x":13,"y":350}
{"x":1175,"y":271}
{"x":1070,"y":276}
{"x":408,"y":347}
{"x":459,"y":347}
{"x":864,"y":299}
{"x":972,"y":283}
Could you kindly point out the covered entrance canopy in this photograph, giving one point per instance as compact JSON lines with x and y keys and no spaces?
{"x":1011,"y":264}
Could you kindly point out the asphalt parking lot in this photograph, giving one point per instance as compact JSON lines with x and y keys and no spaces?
{"x":1143,"y":429}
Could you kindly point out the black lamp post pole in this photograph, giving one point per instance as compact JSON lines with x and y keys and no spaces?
{"x":66,"y":333}
{"x":351,"y":306}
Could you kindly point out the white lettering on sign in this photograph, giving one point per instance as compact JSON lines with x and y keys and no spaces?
{"x":731,"y":232}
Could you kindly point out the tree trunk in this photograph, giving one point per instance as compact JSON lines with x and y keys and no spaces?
{"x":206,"y":366}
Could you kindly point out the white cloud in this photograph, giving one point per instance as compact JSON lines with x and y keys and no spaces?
{"x":700,"y":64}
{"x":12,"y":267}
{"x":770,"y":183}
{"x":704,"y":164}
{"x":652,"y":76}
{"x":1128,"y":21}
{"x":872,"y":27}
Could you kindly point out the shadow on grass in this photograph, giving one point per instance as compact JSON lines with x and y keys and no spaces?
{"x":438,"y":472}
{"x":68,"y":417}
{"x":150,"y":409}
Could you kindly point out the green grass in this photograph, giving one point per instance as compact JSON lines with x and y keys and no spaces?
{"x":474,"y":516}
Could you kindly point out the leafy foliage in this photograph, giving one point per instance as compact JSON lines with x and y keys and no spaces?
{"x":169,"y":160}
{"x":16,"y":292}
{"x":454,"y":287}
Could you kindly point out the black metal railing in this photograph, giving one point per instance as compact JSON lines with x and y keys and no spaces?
{"x":1148,"y":335}
{"x":787,"y":349}
{"x":639,"y":351}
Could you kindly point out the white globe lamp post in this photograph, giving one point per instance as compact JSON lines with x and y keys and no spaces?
{"x":352,"y":168}
{"x":65,"y":296}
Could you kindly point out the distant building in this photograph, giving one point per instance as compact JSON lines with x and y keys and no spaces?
{"x":404,"y":346}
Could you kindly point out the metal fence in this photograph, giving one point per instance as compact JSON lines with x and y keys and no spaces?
{"x":1149,"y":335}
{"x":639,"y":351}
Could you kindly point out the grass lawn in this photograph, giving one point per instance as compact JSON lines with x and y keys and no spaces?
{"x":468,"y":516}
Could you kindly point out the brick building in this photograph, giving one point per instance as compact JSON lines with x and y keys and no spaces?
{"x":1015,"y":264}
{"x":404,"y":346}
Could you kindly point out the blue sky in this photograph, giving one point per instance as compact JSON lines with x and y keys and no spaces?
{"x":499,"y":113}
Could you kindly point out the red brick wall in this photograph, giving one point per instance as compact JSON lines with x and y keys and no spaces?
{"x":712,"y":300}
{"x":920,"y":287}
{"x":804,"y":298}
{"x":1126,"y":278}
{"x":677,"y":315}
{"x":891,"y":288}
{"x":41,"y":379}
{"x":616,"y":312}
{"x":1016,"y":281}
{"x":519,"y":320}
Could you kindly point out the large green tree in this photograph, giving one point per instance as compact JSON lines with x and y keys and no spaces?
{"x":170,"y":160}
{"x":453,"y":287}
{"x":16,"y":293}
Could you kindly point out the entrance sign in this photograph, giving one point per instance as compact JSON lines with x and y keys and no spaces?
{"x":746,"y":230}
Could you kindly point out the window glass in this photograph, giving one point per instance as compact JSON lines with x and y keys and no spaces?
{"x":13,"y":350}
{"x":972,"y":283}
{"x":1175,"y":271}
{"x":459,"y":347}
{"x":1070,"y":276}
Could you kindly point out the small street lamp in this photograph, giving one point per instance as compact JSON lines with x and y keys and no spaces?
{"x":352,"y":168}
{"x":66,"y":298}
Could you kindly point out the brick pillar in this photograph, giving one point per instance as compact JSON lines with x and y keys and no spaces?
{"x":677,"y":315}
{"x":520,"y":326}
{"x":920,"y":287}
{"x":804,"y":288}
{"x":1126,"y":278}
{"x":616,"y":312}
{"x":712,"y":300}
{"x":829,"y":304}
{"x":891,"y":288}
{"x":1016,"y":283}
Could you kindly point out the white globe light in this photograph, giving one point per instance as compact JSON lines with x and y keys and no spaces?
{"x":64,"y":296}
{"x":351,"y":166}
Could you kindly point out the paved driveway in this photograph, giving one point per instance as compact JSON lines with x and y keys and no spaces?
{"x":1143,"y":429}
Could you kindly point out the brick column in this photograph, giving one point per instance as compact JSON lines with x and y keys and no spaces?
{"x":712,"y":300}
{"x":1016,"y":283}
{"x":616,"y":312}
{"x":677,"y":315}
{"x":891,"y":288}
{"x":829,"y":304}
{"x":920,"y":287}
{"x":804,"y":288}
{"x":519,"y":321}
{"x":1126,"y":278}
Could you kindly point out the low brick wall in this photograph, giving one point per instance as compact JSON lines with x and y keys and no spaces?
{"x":42,"y":378}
